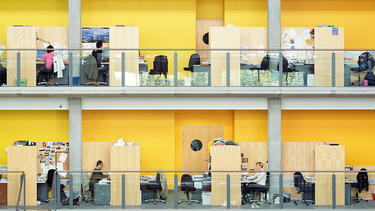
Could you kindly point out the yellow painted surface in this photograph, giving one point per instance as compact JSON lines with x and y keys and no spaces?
{"x":352,"y":129}
{"x":32,"y":125}
{"x":162,"y":24}
{"x":210,"y":9}
{"x":154,"y":130}
{"x":32,"y":12}
{"x":354,"y":16}
{"x":245,"y":13}
{"x":201,"y":118}
{"x":250,"y":126}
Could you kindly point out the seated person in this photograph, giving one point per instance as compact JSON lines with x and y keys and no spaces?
{"x":260,"y":177}
{"x":98,"y":55}
{"x":48,"y":61}
{"x":96,"y":176}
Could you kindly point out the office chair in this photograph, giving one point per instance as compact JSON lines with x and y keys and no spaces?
{"x":160,"y":66}
{"x":362,"y":184}
{"x":187,"y":185}
{"x":44,"y":76}
{"x":259,"y":189}
{"x":365,"y":62}
{"x":159,"y":186}
{"x":195,"y":59}
{"x":307,"y":188}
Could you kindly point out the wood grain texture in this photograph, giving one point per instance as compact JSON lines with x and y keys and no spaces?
{"x":329,"y":158}
{"x":53,"y":35}
{"x":324,"y":39}
{"x":226,"y":158}
{"x":198,"y":160}
{"x":255,"y":152}
{"x":203,"y":27}
{"x":128,"y":38}
{"x":94,"y":151}
{"x":225,"y":38}
{"x":21,"y":158}
{"x":21,"y":37}
{"x":254,"y":38}
{"x":125,"y":158}
{"x":65,"y":164}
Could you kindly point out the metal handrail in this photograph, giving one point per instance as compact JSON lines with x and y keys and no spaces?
{"x":184,"y":49}
{"x":19,"y":192}
{"x":212,"y":171}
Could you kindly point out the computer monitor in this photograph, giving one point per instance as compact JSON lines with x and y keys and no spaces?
{"x":40,"y":54}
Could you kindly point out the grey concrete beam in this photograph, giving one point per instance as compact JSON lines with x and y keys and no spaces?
{"x":274,"y":142}
{"x":75,"y":140}
{"x":74,"y":29}
{"x":274,"y":23}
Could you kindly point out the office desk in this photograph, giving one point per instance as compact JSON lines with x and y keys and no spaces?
{"x":146,"y":192}
{"x":102,"y":194}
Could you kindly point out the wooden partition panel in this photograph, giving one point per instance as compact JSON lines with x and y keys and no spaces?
{"x":21,"y":37}
{"x":329,"y":158}
{"x":94,"y":151}
{"x":56,"y":36}
{"x":225,"y":158}
{"x":254,"y":38}
{"x":22,"y":158}
{"x":225,"y":38}
{"x":328,"y":38}
{"x":255,"y":152}
{"x":126,"y":37}
{"x":125,"y":158}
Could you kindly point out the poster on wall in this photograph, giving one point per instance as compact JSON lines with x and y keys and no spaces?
{"x":94,"y":34}
{"x":298,"y":38}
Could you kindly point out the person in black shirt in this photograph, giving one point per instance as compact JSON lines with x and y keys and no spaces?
{"x":98,"y":53}
{"x":96,"y":176}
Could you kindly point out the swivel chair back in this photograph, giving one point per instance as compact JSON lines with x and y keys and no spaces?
{"x":187,"y":185}
{"x":195,"y":59}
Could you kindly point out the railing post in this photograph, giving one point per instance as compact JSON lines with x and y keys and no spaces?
{"x":123,"y":202}
{"x":175,"y":191}
{"x":175,"y":69}
{"x":228,"y":69}
{"x":333,"y":69}
{"x":71,"y":68}
{"x":24,"y":191}
{"x":333,"y":191}
{"x":123,"y":69}
{"x":18,"y":82}
{"x":281,"y":67}
{"x":228,"y":191}
{"x":281,"y":192}
{"x":70,"y":191}
{"x":58,"y":202}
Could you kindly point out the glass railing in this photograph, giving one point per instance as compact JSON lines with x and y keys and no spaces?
{"x":214,"y":189}
{"x":12,"y":190}
{"x":189,"y":68}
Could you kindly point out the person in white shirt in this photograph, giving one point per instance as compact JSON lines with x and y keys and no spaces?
{"x":260,"y":177}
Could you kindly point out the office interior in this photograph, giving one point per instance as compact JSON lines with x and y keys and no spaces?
{"x":176,"y":25}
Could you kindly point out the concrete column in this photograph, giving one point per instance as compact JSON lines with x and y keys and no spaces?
{"x":274,"y":23}
{"x":274,"y":142}
{"x":75,"y":140}
{"x":75,"y":32}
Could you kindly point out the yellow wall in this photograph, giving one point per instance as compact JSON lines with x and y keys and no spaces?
{"x":154,"y":130}
{"x":250,"y":126}
{"x":355,"y":16}
{"x":32,"y":125}
{"x":210,"y":9}
{"x":245,"y":12}
{"x":32,"y":12}
{"x":353,"y":129}
{"x":200,"y":118}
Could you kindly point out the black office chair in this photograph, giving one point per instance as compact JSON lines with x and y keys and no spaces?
{"x":44,"y":76}
{"x":365,"y":63}
{"x":195,"y":59}
{"x":307,"y":188}
{"x":187,"y":185}
{"x":156,"y":187}
{"x":361,"y":185}
{"x":256,"y":188}
{"x":160,"y":66}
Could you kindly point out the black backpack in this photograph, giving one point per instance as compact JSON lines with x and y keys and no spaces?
{"x":366,"y":62}
{"x":160,"y":66}
{"x":370,"y":77}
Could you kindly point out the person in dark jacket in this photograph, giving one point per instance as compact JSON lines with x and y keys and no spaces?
{"x":98,"y":53}
{"x":96,"y":176}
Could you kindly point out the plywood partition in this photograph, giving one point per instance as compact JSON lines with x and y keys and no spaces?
{"x":22,"y":158}
{"x":94,"y":151}
{"x":253,"y":38}
{"x":125,"y":158}
{"x":225,"y":38}
{"x":226,"y":158}
{"x":56,"y":36}
{"x":126,"y":37}
{"x":329,"y":38}
{"x":329,"y":158}
{"x":255,"y":152}
{"x":21,"y":37}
